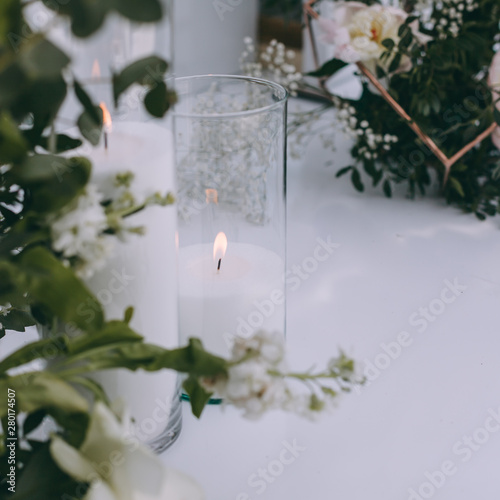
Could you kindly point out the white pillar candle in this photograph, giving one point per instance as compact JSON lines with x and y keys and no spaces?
{"x":142,"y":272}
{"x":242,"y":297}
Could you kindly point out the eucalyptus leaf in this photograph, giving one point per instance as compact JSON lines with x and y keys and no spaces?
{"x":89,"y":128}
{"x":328,"y":69}
{"x":63,"y":143}
{"x":143,"y":11}
{"x":86,"y":16}
{"x":41,"y":59}
{"x":149,"y":71}
{"x":53,"y":180}
{"x":157,"y":100}
{"x":87,"y":103}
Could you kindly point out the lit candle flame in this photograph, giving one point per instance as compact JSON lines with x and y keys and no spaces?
{"x":106,"y":118}
{"x":212,"y":196}
{"x":220,"y":246}
{"x":96,"y":70}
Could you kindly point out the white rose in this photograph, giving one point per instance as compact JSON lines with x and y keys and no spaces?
{"x":117,"y":467}
{"x":494,"y":83}
{"x":357,"y":31}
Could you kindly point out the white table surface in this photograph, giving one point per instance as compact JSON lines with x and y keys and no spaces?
{"x":394,"y":257}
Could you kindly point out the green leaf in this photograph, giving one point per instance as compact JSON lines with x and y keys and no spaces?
{"x":328,"y":69}
{"x":42,"y":60}
{"x":41,"y":390}
{"x":91,"y":385}
{"x":157,"y":100}
{"x":13,"y":146}
{"x":343,"y":171}
{"x":50,"y":284}
{"x":13,"y":81}
{"x":133,"y":355}
{"x":63,"y":143}
{"x":496,"y":115}
{"x":33,"y":420}
{"x":86,"y":102}
{"x":17,"y":320}
{"x":41,"y":101}
{"x":388,"y":43}
{"x":386,"y":186}
{"x":194,"y":359}
{"x":41,"y":479}
{"x":87,"y":16}
{"x":198,"y":396}
{"x":89,"y":128}
{"x":129,"y":313}
{"x":406,"y":40}
{"x":149,"y":71}
{"x":403,"y":30}
{"x":329,"y":391}
{"x":456,"y":186}
{"x":395,"y":63}
{"x":356,"y":180}
{"x":74,"y":425}
{"x":10,"y":19}
{"x":111,"y":333}
{"x":41,"y":349}
{"x":53,"y":180}
{"x":143,"y":11}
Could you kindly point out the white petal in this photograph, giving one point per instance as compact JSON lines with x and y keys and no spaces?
{"x":140,"y":475}
{"x":100,"y":491}
{"x":70,"y":460}
{"x":104,"y":436}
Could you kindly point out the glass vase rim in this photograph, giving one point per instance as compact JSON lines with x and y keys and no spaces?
{"x":233,"y":114}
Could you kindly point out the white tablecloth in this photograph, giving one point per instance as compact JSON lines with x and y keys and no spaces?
{"x":413,"y":289}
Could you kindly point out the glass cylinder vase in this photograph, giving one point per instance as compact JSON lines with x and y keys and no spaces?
{"x":230,"y":135}
{"x":141,"y":268}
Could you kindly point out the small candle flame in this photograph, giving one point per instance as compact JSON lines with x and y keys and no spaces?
{"x":106,"y":118}
{"x":96,"y":70}
{"x":220,"y":247}
{"x":212,"y":196}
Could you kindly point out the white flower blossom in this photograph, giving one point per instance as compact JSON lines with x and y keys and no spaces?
{"x":78,"y":232}
{"x":117,"y":467}
{"x":357,"y":32}
{"x":257,"y":379}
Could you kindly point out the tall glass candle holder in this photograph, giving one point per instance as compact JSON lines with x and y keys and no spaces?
{"x":141,"y":269}
{"x":230,"y":135}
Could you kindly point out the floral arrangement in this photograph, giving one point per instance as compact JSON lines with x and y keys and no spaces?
{"x":430,"y":96}
{"x":60,"y":435}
